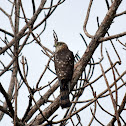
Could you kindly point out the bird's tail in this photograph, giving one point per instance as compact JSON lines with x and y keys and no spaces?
{"x":64,"y":92}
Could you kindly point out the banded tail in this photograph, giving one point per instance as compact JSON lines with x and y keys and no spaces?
{"x":64,"y":92}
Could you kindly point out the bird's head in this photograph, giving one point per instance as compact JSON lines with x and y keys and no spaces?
{"x":60,"y":45}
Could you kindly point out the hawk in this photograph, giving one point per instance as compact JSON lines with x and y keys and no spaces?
{"x":64,"y":66}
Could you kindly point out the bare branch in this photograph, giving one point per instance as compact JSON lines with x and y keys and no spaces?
{"x":86,"y":20}
{"x":120,"y":14}
{"x":7,"y":97}
{"x":6,"y":32}
{"x":54,"y":5}
{"x":84,"y":60}
{"x":85,"y":75}
{"x":111,"y":123}
{"x":43,"y":72}
{"x":5,"y":111}
{"x":113,"y":100}
{"x":112,"y":37}
{"x":22,"y":31}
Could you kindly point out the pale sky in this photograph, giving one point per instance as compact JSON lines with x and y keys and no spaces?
{"x":67,"y":21}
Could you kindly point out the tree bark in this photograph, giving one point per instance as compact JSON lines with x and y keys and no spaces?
{"x":80,"y":66}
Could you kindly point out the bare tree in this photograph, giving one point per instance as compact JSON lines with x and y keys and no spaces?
{"x":85,"y":67}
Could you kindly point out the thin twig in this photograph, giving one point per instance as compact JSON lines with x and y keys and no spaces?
{"x":104,"y":109}
{"x":121,"y":108}
{"x":8,"y":100}
{"x":112,"y":37}
{"x":30,"y":90}
{"x":54,"y":5}
{"x":95,"y":105}
{"x":120,"y":14}
{"x":116,"y":97}
{"x":43,"y":72}
{"x":86,"y":20}
{"x":96,"y":119}
{"x":113,"y":101}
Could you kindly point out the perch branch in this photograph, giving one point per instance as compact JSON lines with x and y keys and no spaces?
{"x":80,"y":66}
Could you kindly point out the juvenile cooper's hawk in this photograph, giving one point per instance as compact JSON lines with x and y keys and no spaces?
{"x":64,"y":66}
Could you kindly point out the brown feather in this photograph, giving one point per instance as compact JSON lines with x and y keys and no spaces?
{"x":65,"y":102}
{"x":64,"y":65}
